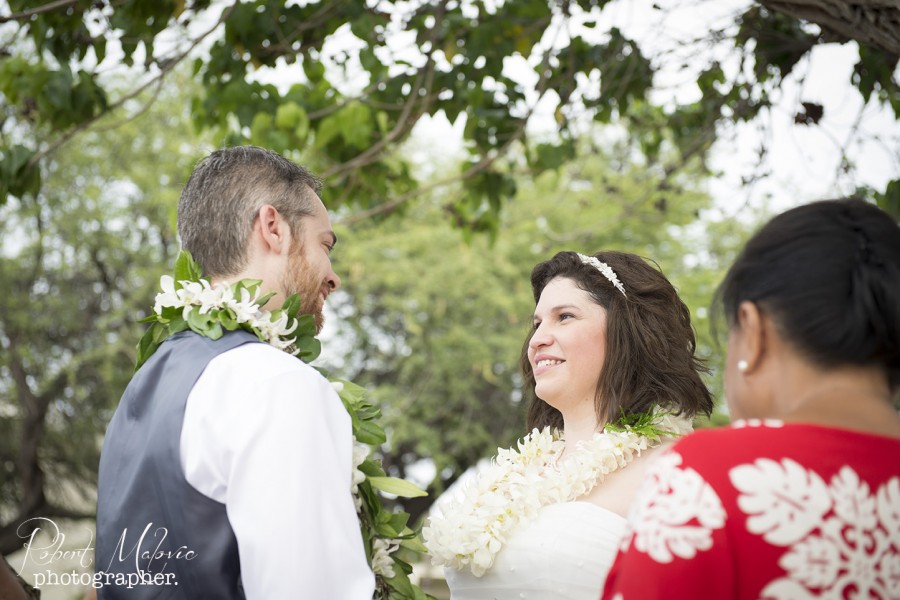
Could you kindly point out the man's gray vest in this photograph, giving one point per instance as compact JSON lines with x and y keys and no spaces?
{"x":158,"y":537}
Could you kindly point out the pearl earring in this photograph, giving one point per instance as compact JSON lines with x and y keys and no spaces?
{"x":742,"y":365}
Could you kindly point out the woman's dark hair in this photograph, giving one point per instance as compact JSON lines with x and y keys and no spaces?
{"x":649,"y":341}
{"x":828,"y":274}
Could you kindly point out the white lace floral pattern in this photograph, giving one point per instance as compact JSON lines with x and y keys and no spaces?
{"x":676,"y":514}
{"x":842,"y":540}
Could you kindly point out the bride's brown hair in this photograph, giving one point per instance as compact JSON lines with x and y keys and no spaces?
{"x":650,"y":344}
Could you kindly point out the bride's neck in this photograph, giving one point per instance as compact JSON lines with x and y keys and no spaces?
{"x":579,"y":426}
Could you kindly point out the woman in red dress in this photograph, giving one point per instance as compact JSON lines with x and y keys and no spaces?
{"x":800,"y":497}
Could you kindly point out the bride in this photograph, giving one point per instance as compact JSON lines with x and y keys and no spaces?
{"x":611,"y":363}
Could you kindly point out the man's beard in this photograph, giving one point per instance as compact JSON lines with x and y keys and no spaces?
{"x":300,"y":280}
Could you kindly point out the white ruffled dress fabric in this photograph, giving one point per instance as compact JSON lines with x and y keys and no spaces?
{"x":563,"y":554}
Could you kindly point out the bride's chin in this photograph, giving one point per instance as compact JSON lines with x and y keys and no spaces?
{"x":560,"y":400}
{"x":551,"y":396}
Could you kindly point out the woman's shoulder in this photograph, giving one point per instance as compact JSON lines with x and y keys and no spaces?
{"x":732,"y":437}
{"x":741,"y":432}
{"x":776,"y":445}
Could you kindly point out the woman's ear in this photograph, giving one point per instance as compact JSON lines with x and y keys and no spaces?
{"x":272,"y":230}
{"x":751,"y":340}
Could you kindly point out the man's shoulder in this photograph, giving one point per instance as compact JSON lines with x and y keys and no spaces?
{"x":260,"y":361}
{"x":257,"y":377}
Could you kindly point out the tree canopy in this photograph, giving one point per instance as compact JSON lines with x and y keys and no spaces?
{"x":363,"y":73}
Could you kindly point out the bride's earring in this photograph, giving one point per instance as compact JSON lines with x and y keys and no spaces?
{"x":742,"y":365}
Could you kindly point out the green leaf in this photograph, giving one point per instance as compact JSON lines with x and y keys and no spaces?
{"x":170,"y":313}
{"x":889,"y":201}
{"x":356,"y":124}
{"x":397,"y":521}
{"x":310,"y":348}
{"x":265,"y":298}
{"x":329,"y":128}
{"x":415,"y":544}
{"x":186,"y":269}
{"x":370,"y":433}
{"x":306,"y":326}
{"x":214,"y":332}
{"x":177,"y":325}
{"x":288,"y":115}
{"x":382,"y":119}
{"x":260,"y":129}
{"x":15,"y":174}
{"x":551,"y":156}
{"x":398,"y":487}
{"x":291,"y":306}
{"x":350,"y":391}
{"x":251,"y":285}
{"x":197,"y":322}
{"x":149,"y":342}
{"x":227,"y":319}
{"x":371,"y":468}
{"x":386,"y":530}
{"x":161,"y":332}
{"x":401,"y":587}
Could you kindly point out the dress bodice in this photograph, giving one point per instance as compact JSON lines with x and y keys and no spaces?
{"x":563,"y":554}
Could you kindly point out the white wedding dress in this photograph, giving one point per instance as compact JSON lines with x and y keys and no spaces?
{"x":564,"y":554}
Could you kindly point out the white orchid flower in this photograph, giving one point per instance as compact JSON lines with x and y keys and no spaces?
{"x":212,"y":297}
{"x":360,"y":454}
{"x":167,"y":298}
{"x":245,"y":309}
{"x":382,"y":563}
{"x":189,"y":293}
{"x":285,"y":325}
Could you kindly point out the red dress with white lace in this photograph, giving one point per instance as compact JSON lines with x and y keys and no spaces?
{"x":766,"y":510}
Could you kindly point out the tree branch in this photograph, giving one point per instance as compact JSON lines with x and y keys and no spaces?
{"x":314,"y":22}
{"x":140,"y":112}
{"x":407,"y":119}
{"x":167,"y":67}
{"x":34,"y":408}
{"x":27,"y":14}
{"x":484,"y":163}
{"x":872,"y":22}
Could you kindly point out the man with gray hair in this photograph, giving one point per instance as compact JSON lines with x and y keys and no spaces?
{"x":226,"y":469}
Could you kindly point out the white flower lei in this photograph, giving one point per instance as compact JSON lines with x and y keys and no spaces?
{"x":469,"y":530}
{"x":222,"y":296}
{"x":188,"y":301}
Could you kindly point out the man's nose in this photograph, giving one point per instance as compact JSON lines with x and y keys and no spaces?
{"x":333,"y":281}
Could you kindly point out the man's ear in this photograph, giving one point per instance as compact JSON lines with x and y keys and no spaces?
{"x":752,"y":342}
{"x":272,"y":230}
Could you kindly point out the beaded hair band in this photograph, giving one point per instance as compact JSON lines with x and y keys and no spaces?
{"x":604,"y":269}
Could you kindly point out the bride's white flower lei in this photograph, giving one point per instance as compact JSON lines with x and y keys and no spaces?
{"x":471,"y":528}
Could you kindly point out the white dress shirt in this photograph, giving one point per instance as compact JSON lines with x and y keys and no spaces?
{"x":267,"y":435}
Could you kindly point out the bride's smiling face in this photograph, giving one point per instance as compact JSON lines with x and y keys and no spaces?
{"x":568,"y":346}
